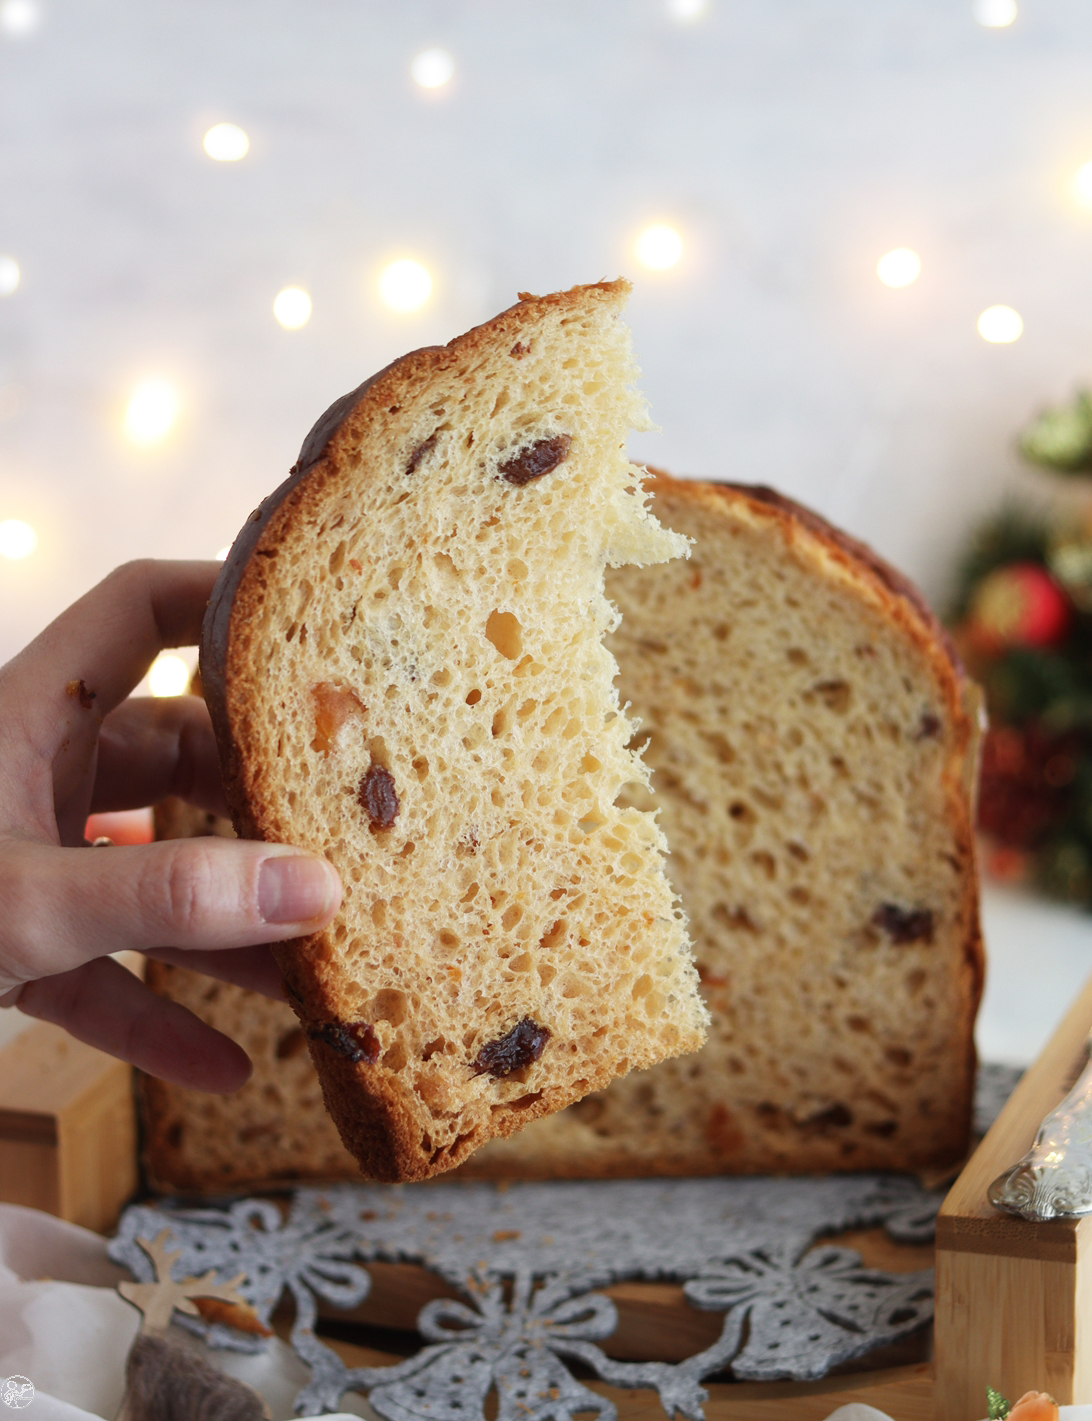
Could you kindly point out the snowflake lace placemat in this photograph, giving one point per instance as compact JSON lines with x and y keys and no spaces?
{"x":528,"y":1261}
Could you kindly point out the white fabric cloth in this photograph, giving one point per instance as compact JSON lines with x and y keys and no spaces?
{"x":858,"y":1411}
{"x":65,"y":1328}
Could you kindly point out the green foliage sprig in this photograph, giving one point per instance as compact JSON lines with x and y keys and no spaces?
{"x":1061,"y":438}
{"x":997,"y":1408}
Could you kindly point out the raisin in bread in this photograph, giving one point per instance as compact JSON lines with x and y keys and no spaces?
{"x":404,"y":662}
{"x":813,"y":742}
{"x":271,"y":1131}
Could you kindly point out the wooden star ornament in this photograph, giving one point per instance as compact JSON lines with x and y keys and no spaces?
{"x":158,"y":1300}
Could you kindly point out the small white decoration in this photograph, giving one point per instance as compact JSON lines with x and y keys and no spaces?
{"x":17,"y":1392}
{"x":858,"y":1411}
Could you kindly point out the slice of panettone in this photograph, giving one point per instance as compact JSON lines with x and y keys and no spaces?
{"x":404,"y":662}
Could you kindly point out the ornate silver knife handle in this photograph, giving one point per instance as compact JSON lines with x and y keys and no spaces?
{"x":1054,"y":1178}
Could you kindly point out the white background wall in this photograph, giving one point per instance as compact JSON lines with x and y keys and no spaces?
{"x":791,"y":141}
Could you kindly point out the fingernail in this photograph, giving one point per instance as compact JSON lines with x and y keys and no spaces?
{"x":294,"y":888}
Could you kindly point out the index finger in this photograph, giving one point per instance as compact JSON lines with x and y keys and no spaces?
{"x":88,"y":660}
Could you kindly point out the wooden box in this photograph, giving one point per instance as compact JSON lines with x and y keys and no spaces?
{"x":67,"y":1128}
{"x":1014,"y":1298}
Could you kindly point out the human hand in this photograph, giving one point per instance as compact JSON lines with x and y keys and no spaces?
{"x":71,"y":745}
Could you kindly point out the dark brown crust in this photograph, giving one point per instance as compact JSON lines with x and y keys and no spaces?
{"x":370,"y":1114}
{"x":892,"y":579}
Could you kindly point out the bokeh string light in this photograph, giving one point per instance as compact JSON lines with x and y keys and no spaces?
{"x":898,"y":268}
{"x":17,"y":539}
{"x":292,"y":308}
{"x":226,"y":143}
{"x":405,"y":285}
{"x":169,"y":675}
{"x":995,"y":14}
{"x":658,"y":247}
{"x":1081,"y":186}
{"x":1000,"y":325}
{"x":19,"y":18}
{"x":432,"y":69}
{"x":152,"y":412}
{"x":687,"y":11}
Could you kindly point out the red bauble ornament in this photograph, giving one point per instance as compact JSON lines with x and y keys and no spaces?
{"x":1018,"y":605}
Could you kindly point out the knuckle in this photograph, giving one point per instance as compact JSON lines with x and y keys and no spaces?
{"x":178,"y":890}
{"x":131,"y":575}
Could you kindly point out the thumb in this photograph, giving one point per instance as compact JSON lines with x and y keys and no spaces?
{"x":60,"y":908}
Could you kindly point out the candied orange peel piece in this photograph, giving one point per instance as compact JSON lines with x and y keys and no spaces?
{"x":1034,"y":1406}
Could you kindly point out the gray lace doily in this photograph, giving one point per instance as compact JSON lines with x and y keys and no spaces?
{"x":993,"y":1086}
{"x":527,"y":1261}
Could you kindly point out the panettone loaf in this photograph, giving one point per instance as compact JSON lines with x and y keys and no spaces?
{"x":812,"y":740}
{"x":404,"y":663}
{"x":808,"y":1027}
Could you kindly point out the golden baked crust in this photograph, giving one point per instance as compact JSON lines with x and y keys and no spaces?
{"x":412,"y":625}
